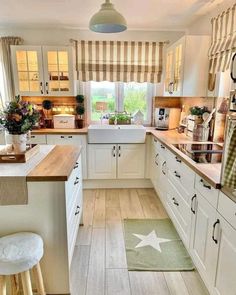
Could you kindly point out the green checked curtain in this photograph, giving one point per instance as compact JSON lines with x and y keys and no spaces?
{"x":229,"y":178}
{"x":119,"y":61}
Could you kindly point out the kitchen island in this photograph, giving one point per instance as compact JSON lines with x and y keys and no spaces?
{"x":52,"y":209}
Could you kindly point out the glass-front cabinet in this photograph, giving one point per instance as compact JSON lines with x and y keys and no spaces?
{"x":43,"y":70}
{"x":174,"y":72}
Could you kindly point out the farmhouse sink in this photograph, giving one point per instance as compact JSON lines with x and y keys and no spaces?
{"x":116,"y":134}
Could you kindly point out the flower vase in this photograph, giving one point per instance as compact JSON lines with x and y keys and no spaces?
{"x":17,"y":141}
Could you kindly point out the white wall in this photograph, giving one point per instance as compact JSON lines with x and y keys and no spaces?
{"x":202,"y":26}
{"x":58,"y":36}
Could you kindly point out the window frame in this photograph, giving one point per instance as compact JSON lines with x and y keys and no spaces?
{"x":85,"y":88}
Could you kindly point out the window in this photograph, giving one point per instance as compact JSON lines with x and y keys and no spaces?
{"x":107,"y":97}
{"x":102,"y":99}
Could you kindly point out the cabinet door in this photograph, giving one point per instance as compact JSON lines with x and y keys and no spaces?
{"x":225,"y":283}
{"x":58,"y":70}
{"x":101,"y":161}
{"x":174,"y":69}
{"x":131,"y":161}
{"x":169,"y":72}
{"x":204,"y":250}
{"x":27,"y":70}
{"x":77,"y":140}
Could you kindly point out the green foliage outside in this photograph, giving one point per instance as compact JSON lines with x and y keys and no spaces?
{"x":134,"y":100}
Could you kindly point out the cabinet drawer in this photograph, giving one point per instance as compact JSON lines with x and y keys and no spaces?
{"x":208,"y":192}
{"x":73,"y":221}
{"x":181,"y":211}
{"x":38,"y":139}
{"x":227,"y":208}
{"x":75,"y":180}
{"x":182,"y":176}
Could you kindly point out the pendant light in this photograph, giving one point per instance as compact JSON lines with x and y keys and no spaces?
{"x":107,"y":20}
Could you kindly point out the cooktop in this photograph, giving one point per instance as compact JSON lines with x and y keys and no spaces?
{"x":202,"y":152}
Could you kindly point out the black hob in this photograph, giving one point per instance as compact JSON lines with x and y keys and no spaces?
{"x":202,"y":152}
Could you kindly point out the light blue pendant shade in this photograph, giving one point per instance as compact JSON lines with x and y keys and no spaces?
{"x":107,"y":20}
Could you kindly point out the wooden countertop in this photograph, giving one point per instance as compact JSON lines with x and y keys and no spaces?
{"x":60,"y":131}
{"x":52,"y":163}
{"x":210,"y":172}
{"x":57,"y":165}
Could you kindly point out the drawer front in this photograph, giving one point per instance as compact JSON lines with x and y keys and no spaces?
{"x":38,"y":139}
{"x":75,"y":180}
{"x":207,"y":191}
{"x":63,"y":139}
{"x":182,"y":176}
{"x":227,"y":208}
{"x":73,"y":221}
{"x":181,"y":211}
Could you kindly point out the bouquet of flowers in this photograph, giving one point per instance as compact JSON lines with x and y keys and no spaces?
{"x":19,"y":116}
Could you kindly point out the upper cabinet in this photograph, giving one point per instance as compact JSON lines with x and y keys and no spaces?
{"x":186,"y":68}
{"x":43,"y":70}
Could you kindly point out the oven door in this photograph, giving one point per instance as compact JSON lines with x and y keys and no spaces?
{"x":233,"y":68}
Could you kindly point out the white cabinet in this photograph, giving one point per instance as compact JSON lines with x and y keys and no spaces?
{"x":43,"y":70}
{"x":69,"y":139}
{"x":187,"y":67}
{"x":38,"y":139}
{"x":203,"y":248}
{"x":111,"y":161}
{"x":225,"y":283}
{"x":131,"y":161}
{"x":159,"y":169}
{"x":101,"y":161}
{"x":51,"y":212}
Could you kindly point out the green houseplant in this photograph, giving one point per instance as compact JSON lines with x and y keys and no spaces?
{"x":80,"y":110}
{"x":18,"y":118}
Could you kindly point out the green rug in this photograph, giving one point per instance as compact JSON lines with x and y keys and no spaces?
{"x":154,"y":245}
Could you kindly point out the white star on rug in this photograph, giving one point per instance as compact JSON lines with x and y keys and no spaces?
{"x":150,"y":240}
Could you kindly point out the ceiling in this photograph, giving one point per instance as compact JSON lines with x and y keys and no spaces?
{"x":154,"y":15}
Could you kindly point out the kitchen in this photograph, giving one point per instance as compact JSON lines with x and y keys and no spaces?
{"x":82,"y":190}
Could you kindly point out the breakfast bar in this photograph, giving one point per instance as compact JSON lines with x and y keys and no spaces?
{"x":52,"y":208}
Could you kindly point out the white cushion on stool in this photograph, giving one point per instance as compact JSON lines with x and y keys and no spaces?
{"x":19,"y":252}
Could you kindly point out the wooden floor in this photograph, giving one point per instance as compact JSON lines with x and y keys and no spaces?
{"x":99,"y":264}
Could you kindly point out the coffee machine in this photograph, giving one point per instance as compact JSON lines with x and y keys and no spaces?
{"x":167,"y":118}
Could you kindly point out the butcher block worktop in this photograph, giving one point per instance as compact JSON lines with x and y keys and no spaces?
{"x":53,"y":163}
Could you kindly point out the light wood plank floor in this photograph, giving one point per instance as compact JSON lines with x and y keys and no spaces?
{"x":99,"y":264}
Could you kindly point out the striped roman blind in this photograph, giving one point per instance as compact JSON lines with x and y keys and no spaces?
{"x":120,"y":61}
{"x":223,"y":43}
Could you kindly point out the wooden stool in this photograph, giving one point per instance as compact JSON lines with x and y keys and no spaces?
{"x":19,"y":253}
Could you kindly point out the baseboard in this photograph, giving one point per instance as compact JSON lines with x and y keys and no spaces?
{"x":117,"y":183}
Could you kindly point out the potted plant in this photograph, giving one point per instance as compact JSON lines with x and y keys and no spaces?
{"x":80,"y":110}
{"x":18,"y":118}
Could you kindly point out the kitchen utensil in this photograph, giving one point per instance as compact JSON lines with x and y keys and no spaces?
{"x":207,"y":121}
{"x":205,"y":116}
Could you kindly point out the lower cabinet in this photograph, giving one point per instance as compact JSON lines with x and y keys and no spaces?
{"x":101,"y":161}
{"x":111,"y":161}
{"x":203,"y":248}
{"x":225,"y":283}
{"x":179,"y":211}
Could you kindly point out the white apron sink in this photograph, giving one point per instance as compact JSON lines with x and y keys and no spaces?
{"x":116,"y":134}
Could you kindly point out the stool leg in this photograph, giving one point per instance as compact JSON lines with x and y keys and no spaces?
{"x":3,"y":285}
{"x":26,"y":283}
{"x":39,"y":279}
{"x":14,"y":285}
